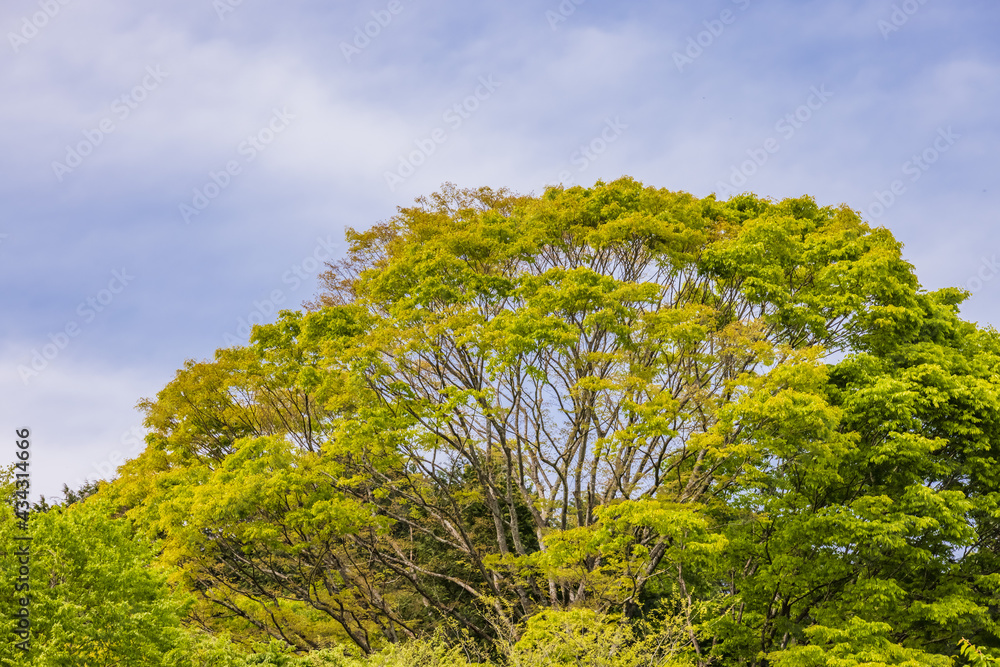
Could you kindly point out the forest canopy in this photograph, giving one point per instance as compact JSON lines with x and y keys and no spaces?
{"x":614,"y":425}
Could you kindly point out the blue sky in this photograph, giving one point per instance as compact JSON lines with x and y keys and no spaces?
{"x":172,"y":171}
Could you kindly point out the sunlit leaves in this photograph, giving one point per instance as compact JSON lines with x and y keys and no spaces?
{"x":602,"y":400}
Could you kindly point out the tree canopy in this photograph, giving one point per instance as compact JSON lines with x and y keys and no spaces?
{"x":706,"y":432}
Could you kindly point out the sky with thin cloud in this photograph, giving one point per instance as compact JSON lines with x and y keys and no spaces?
{"x":173,"y":172}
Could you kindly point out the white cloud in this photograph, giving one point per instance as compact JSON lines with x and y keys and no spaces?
{"x":82,"y":416}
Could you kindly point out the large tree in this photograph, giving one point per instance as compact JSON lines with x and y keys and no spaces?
{"x":744,"y":415}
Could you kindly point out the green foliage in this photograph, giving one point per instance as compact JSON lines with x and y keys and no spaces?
{"x":95,"y":596}
{"x":584,"y":637}
{"x":522,"y":425}
{"x":975,"y":655}
{"x":859,"y":643}
{"x":210,"y":652}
